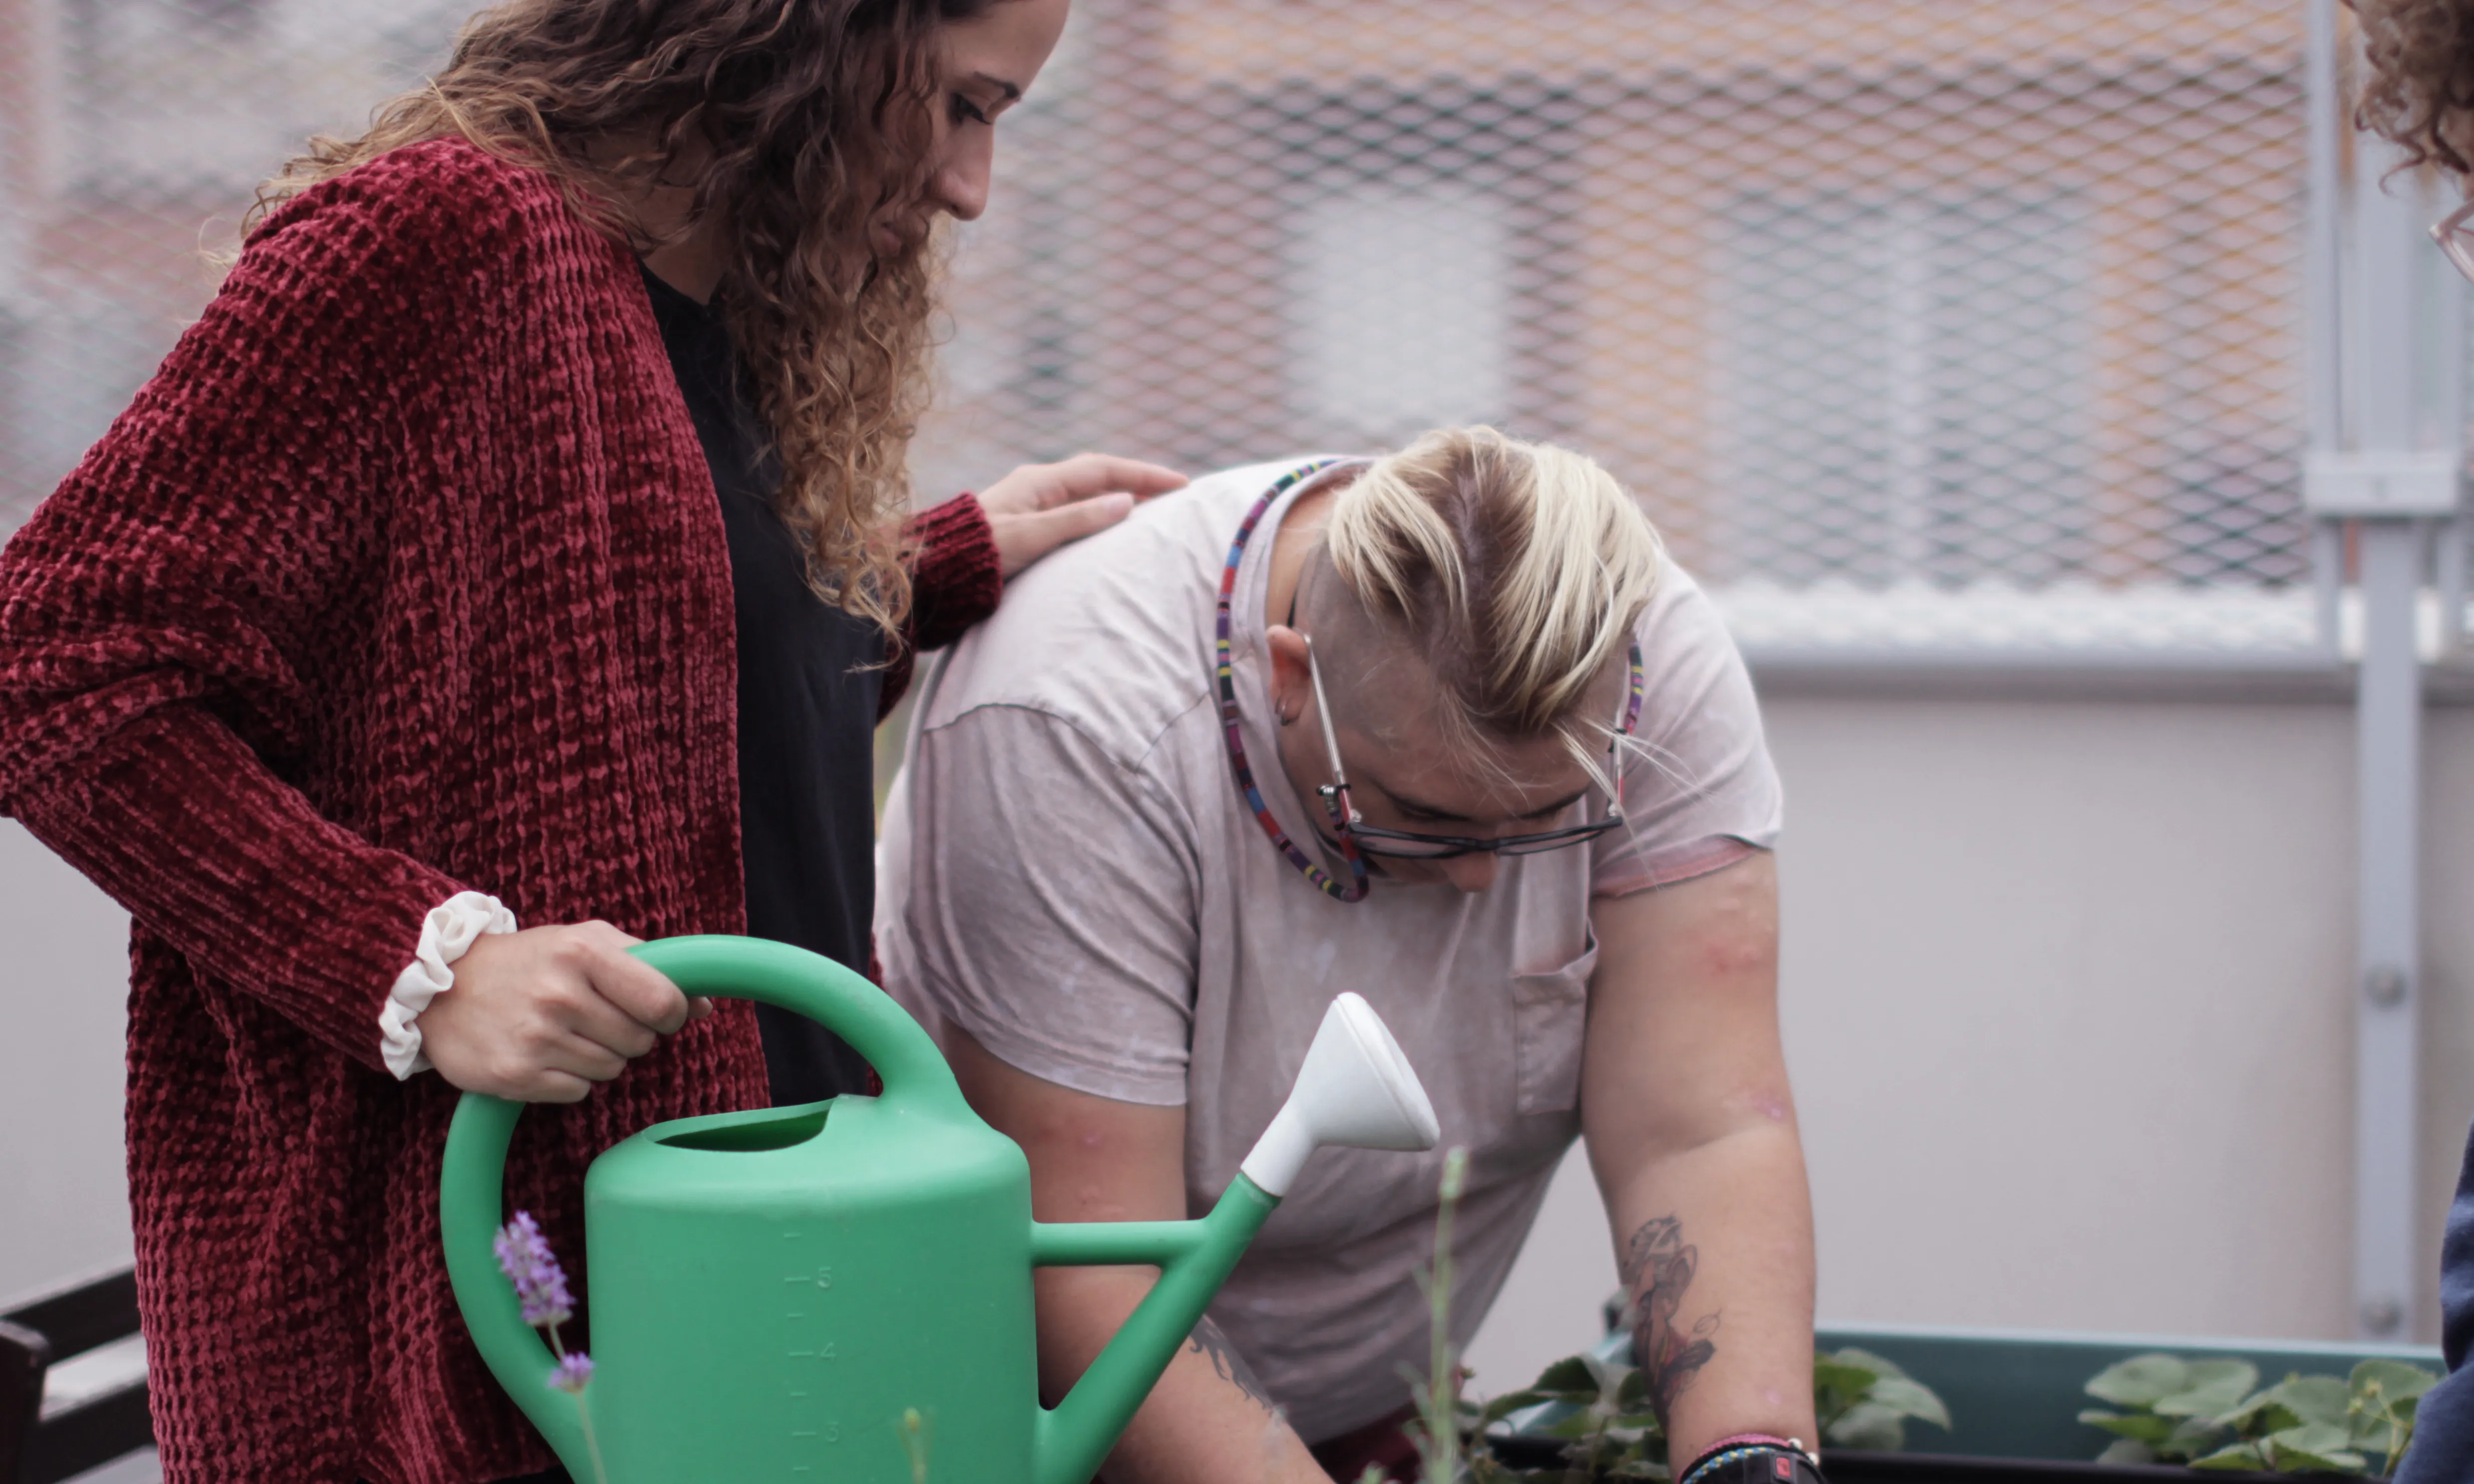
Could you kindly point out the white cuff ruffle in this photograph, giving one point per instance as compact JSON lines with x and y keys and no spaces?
{"x":448,"y":930}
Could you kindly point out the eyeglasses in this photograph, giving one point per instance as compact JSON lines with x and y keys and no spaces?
{"x":2455,"y":234}
{"x":1411,"y":845}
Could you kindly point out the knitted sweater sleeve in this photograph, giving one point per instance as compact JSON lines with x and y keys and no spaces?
{"x":163,"y":613}
{"x":955,"y":582}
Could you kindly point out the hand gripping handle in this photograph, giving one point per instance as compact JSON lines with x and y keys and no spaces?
{"x":471,"y":1184}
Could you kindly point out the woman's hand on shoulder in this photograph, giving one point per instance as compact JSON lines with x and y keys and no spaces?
{"x":1039,"y":507}
{"x":541,"y":1015}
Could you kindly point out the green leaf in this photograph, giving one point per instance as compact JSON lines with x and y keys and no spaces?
{"x":1567,"y":1377}
{"x":2240,"y":1457}
{"x":1910,"y":1398}
{"x":2313,"y":1445}
{"x":2319,"y":1400}
{"x":1631,"y":1393}
{"x":2262,"y":1413}
{"x":2136,"y":1427}
{"x":1879,"y":1364}
{"x":1837,"y":1384}
{"x":2297,"y":1400}
{"x":1869,"y":1425}
{"x":2139,"y":1381}
{"x":2126,"y":1451}
{"x":2192,"y":1437}
{"x":2380,"y":1425}
{"x":1832,"y":1373}
{"x":2393,"y":1379}
{"x":1503,"y":1406}
{"x":2212,"y":1388}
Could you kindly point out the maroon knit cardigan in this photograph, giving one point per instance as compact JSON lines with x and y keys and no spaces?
{"x":404,"y":576}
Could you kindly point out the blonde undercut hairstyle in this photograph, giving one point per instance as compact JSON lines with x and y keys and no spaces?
{"x":1514,"y":569}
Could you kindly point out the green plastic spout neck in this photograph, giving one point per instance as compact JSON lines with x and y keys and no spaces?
{"x":1355,"y":1089}
{"x":1194,"y":1259}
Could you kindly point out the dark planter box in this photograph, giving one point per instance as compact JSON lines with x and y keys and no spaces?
{"x":1856,"y":1468}
{"x":2015,"y":1398}
{"x":1851,"y":1467}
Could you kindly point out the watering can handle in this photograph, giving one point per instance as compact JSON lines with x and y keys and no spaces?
{"x":472,"y":1183}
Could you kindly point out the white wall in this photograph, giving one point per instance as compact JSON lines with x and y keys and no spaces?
{"x":63,"y":1201}
{"x":2067,"y":991}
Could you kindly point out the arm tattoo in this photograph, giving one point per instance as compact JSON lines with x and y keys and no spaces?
{"x":1208,"y":1340}
{"x":1658,"y":1266}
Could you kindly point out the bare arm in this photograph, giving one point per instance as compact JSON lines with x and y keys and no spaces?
{"x":1692,"y":1133}
{"x":1208,"y":1421}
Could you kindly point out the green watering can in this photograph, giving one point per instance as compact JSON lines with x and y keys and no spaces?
{"x":772,"y":1290}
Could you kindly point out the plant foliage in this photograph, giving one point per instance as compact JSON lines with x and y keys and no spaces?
{"x":1608,"y":1431}
{"x":2212,"y":1414}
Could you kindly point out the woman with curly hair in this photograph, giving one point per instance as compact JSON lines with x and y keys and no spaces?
{"x":2418,"y":83}
{"x":2418,"y":93}
{"x":510,"y":563}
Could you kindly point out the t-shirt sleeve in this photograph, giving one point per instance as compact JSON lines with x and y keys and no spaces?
{"x":1041,"y":894}
{"x":1699,"y":789}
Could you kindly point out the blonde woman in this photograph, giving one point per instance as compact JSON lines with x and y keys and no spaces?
{"x":1446,"y":728}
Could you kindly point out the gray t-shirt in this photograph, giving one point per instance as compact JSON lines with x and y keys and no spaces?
{"x":1069,"y":873}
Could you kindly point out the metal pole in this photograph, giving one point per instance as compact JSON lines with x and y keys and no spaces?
{"x":2389,"y":764}
{"x":2328,"y":586}
{"x":2448,"y":574}
{"x":2443,"y":351}
{"x":2383,"y":455}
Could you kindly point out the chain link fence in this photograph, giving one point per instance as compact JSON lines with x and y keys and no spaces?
{"x":1914,"y":322}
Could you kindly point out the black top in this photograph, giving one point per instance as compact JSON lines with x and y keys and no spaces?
{"x":807,"y":686}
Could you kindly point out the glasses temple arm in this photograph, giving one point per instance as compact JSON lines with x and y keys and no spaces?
{"x":1322,"y":715}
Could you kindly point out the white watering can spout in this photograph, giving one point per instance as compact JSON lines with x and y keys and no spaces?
{"x":1356,"y":1090}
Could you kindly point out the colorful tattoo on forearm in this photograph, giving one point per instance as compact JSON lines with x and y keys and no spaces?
{"x":1658,"y":1266}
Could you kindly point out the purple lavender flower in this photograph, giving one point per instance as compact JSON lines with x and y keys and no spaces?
{"x":571,"y":1374}
{"x":541,"y":1285}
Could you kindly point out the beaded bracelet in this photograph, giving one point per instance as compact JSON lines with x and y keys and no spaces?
{"x":1786,"y":1455}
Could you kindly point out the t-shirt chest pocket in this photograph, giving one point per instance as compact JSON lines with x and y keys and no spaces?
{"x":1550,"y":1018}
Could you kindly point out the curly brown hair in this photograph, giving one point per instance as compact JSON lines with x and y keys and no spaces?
{"x":2419,"y":91}
{"x":808,"y":118}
